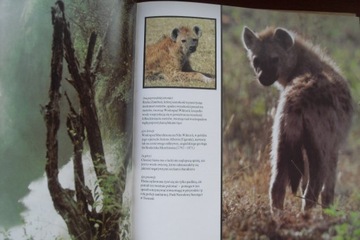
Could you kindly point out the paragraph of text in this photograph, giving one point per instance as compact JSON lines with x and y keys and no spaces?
{"x":151,"y":188}
{"x":154,"y":140}
{"x":167,"y":111}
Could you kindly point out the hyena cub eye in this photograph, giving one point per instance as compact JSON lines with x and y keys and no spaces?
{"x":256,"y":64}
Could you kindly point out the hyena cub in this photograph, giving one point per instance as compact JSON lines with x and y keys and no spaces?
{"x":169,"y":58}
{"x":313,"y":115}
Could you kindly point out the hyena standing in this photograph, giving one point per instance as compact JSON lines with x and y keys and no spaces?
{"x":313,"y":114}
{"x":169,"y":57}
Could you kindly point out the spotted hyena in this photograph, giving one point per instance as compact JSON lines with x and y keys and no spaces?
{"x":312,"y":118}
{"x":168,"y":59}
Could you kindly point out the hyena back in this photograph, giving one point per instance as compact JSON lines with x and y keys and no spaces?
{"x":169,"y":57}
{"x":313,"y":115}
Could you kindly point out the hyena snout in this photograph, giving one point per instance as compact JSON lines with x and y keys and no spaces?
{"x":192,"y":49}
{"x":266,"y":75}
{"x":193,"y":46}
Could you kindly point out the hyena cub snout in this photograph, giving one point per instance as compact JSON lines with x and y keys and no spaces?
{"x":312,"y":118}
{"x":193,"y":45}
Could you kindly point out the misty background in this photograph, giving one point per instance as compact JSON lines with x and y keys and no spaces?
{"x":25,"y":53}
{"x":25,"y":57}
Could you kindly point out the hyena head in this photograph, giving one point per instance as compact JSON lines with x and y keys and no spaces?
{"x":271,"y":53}
{"x":186,"y":39}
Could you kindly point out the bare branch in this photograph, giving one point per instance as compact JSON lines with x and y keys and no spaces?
{"x":63,"y":199}
{"x":90,"y":52}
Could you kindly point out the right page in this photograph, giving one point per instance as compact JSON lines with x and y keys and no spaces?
{"x":291,"y":125}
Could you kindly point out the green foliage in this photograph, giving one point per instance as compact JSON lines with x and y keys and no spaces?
{"x":349,"y":229}
{"x":105,"y":197}
{"x":125,"y":225}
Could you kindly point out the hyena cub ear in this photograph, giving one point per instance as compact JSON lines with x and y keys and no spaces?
{"x":197,"y":31}
{"x":284,"y":38}
{"x":174,"y":34}
{"x":249,"y":38}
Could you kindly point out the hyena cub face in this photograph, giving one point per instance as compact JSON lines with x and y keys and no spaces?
{"x":271,"y":57}
{"x":187,"y":40}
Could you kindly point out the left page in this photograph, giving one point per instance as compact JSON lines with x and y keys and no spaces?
{"x":177,"y":122}
{"x":65,"y":78}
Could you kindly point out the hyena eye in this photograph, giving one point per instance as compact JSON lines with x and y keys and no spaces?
{"x":195,"y":40}
{"x":183,"y":40}
{"x":256,"y":62}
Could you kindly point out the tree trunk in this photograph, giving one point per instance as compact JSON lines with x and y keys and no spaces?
{"x":63,"y":200}
{"x":77,"y":207}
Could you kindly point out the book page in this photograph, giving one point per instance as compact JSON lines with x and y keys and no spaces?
{"x":65,"y":82}
{"x":177,"y":122}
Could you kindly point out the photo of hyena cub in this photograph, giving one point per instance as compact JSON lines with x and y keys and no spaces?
{"x":312,"y":118}
{"x":169,"y":58}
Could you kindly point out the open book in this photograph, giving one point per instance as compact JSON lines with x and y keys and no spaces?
{"x":156,"y":122}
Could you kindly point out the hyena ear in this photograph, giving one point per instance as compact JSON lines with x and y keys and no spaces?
{"x":249,"y":38}
{"x":174,"y":34}
{"x":197,"y":31}
{"x":284,"y":38}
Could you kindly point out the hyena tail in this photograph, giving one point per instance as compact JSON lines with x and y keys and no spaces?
{"x":296,"y":170}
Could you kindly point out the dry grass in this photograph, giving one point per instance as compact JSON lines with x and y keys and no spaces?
{"x":246,"y":211}
{"x":203,"y":60}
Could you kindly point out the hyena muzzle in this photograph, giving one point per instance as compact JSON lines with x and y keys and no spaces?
{"x":313,"y":115}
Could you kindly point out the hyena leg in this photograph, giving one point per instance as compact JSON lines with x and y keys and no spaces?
{"x":192,"y":76}
{"x":317,"y":172}
{"x":296,"y":168}
{"x":305,"y":178}
{"x":327,"y":195}
{"x":279,"y":177}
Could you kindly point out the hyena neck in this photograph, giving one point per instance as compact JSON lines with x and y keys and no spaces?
{"x":311,"y":60}
{"x":183,"y":60}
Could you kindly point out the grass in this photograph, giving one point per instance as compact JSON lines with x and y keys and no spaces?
{"x":246,"y":210}
{"x":203,"y":60}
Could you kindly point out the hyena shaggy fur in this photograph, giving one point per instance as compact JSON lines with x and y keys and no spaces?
{"x":313,"y":115}
{"x":169,"y":57}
